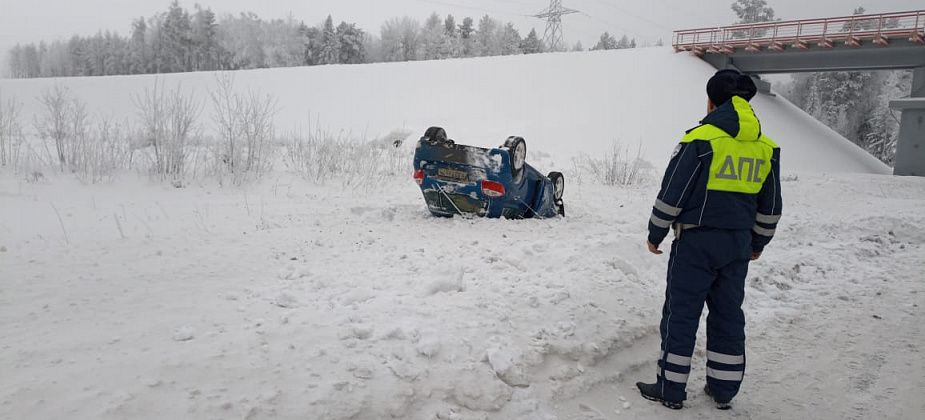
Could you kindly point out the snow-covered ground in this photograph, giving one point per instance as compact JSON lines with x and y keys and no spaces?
{"x":292,"y":300}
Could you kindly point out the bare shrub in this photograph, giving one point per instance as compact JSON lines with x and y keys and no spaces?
{"x":317,"y":155}
{"x":65,"y":122}
{"x":66,"y":138}
{"x":245,"y":127}
{"x":615,"y":167}
{"x":32,"y":158}
{"x":11,"y":134}
{"x":397,"y":151}
{"x":322,"y":155}
{"x":109,"y":151}
{"x":169,"y":124}
{"x":575,"y":174}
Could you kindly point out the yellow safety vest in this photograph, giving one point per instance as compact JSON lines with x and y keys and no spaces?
{"x":742,"y":163}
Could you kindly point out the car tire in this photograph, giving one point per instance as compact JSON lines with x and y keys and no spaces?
{"x":435,"y":135}
{"x":517,"y":147}
{"x":558,"y":184}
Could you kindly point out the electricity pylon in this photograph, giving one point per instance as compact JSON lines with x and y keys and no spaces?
{"x":553,"y":17}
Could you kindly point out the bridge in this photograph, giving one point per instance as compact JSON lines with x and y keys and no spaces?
{"x":886,"y":41}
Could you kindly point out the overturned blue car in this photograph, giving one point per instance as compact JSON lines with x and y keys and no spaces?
{"x":474,"y":181}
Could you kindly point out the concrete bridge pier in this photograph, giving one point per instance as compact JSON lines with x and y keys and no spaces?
{"x":910,"y":152}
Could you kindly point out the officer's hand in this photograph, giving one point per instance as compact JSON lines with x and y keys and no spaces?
{"x":756,"y":256}
{"x":653,"y":248}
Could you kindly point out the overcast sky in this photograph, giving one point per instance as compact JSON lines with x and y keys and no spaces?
{"x":23,"y":21}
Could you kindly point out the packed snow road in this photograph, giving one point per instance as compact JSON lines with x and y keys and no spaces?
{"x":290,"y":300}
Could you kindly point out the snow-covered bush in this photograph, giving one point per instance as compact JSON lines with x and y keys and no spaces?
{"x":615,"y":167}
{"x":169,"y":121}
{"x":244,"y":124}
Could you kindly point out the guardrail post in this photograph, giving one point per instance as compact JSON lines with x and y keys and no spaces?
{"x":825,"y":43}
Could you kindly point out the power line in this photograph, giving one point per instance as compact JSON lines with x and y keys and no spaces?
{"x":517,"y":2}
{"x":632,"y":14}
{"x":611,"y":26}
{"x":478,"y":9}
{"x":690,"y":11}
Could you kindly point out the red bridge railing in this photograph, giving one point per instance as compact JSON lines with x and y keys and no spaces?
{"x":852,"y":31}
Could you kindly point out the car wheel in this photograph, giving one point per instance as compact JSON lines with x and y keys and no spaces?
{"x":435,"y":135}
{"x":518,"y":150}
{"x":558,"y":184}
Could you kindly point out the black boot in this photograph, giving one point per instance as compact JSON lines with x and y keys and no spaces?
{"x":652,"y":393}
{"x":722,"y":405}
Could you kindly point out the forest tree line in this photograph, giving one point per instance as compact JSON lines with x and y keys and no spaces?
{"x":181,"y":40}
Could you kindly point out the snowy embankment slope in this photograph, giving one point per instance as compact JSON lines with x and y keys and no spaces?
{"x":561,"y":103}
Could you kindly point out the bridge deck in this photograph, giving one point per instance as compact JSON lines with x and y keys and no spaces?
{"x":883,"y":30}
{"x":861,"y":42}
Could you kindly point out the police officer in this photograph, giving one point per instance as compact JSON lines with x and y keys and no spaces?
{"x":721,"y":196}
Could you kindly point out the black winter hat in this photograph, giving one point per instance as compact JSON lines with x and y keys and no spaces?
{"x":728,"y":83}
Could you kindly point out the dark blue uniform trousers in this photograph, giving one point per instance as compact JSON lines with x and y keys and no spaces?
{"x":706,"y":265}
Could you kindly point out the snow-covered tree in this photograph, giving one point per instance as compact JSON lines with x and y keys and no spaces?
{"x":352,"y":42}
{"x":753,"y":11}
{"x":509,"y":40}
{"x":283,"y":42}
{"x":487,"y":40}
{"x":311,"y":44}
{"x":452,"y":45}
{"x":449,"y":27}
{"x":607,"y":42}
{"x":177,"y":39}
{"x":532,"y":43}
{"x":467,"y":38}
{"x":330,"y":46}
{"x":878,"y":132}
{"x":855,"y":104}
{"x":400,"y":39}
{"x":243,"y":37}
{"x":30,"y":61}
{"x":55,"y":61}
{"x":138,"y":47}
{"x":433,"y":37}
{"x":206,"y":50}
{"x":625,"y":43}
